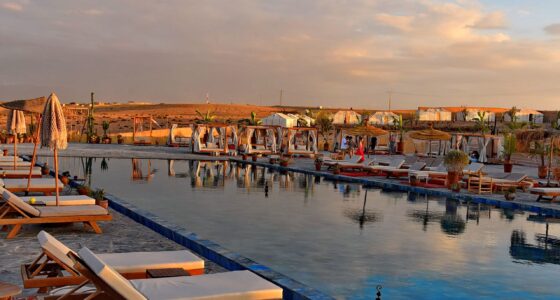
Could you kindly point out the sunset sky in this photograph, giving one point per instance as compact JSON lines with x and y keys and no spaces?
{"x":324,"y":52}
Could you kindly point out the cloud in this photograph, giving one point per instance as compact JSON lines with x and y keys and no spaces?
{"x":179,"y":50}
{"x":553,"y":29}
{"x":13,"y":6}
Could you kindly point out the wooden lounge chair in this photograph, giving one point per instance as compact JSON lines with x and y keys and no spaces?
{"x":38,"y":185}
{"x":10,"y":159}
{"x":394,"y":165}
{"x":503,"y":181}
{"x":417,"y":166}
{"x":546,"y":193}
{"x":111,"y":285}
{"x":480,"y":184}
{"x":54,"y":268}
{"x":8,"y":164}
{"x":357,"y":166}
{"x":20,"y":173}
{"x":16,"y":213}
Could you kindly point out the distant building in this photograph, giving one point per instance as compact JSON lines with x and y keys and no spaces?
{"x":433,"y":114}
{"x":280,"y":119}
{"x":347,"y":117}
{"x":527,"y":115}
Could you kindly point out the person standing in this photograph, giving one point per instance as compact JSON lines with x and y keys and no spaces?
{"x":373,"y":144}
{"x":360,"y":150}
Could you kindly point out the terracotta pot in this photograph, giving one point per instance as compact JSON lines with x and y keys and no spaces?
{"x":107,"y":140}
{"x":284,"y":163}
{"x":556,"y":172}
{"x":318,"y":166}
{"x":65,"y":180}
{"x":103,"y":203}
{"x":45,"y":170}
{"x":82,"y":190}
{"x":244,"y":156}
{"x":543,"y":172}
{"x":400,"y":147}
{"x":272,"y":161}
{"x":508,"y":167}
{"x":452,"y":178}
{"x":413,"y":180}
{"x":5,"y":152}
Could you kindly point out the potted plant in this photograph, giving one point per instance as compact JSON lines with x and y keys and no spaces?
{"x":120,"y":139}
{"x":284,"y":161}
{"x":510,"y":193}
{"x":510,"y":147}
{"x":540,"y":152}
{"x":455,"y":161}
{"x":254,"y":156}
{"x":65,"y":178}
{"x":318,"y":164}
{"x":99,"y":196}
{"x":84,"y":190}
{"x":105,"y":126}
{"x":455,"y":187}
{"x":45,"y":169}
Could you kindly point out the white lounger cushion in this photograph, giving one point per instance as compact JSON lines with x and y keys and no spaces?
{"x":127,"y":262}
{"x":36,"y":183}
{"x":15,"y":200}
{"x":10,"y":158}
{"x":71,"y":210}
{"x":233,"y":285}
{"x":109,"y":275}
{"x":132,"y":262}
{"x":7,"y":163}
{"x":20,"y":172}
{"x":56,"y":248}
{"x":545,"y":190}
{"x":62,"y":200}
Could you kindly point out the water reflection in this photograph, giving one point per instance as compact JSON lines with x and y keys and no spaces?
{"x":138,"y":172}
{"x":363,"y":216}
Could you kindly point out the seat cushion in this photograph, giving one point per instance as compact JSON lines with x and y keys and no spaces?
{"x":6,"y":163}
{"x":224,"y":286}
{"x":110,"y":276}
{"x":56,"y":248}
{"x":15,"y":200}
{"x":71,"y":210}
{"x":20,"y":172}
{"x":133,"y":262}
{"x":36,"y":183}
{"x":62,"y":200}
{"x":545,"y":190}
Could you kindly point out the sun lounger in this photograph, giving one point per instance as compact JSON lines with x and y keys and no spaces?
{"x":227,"y":285}
{"x":10,"y":159}
{"x":7,"y":164}
{"x":343,"y":166}
{"x":505,"y":180}
{"x":434,"y":164}
{"x":331,"y":162}
{"x":395,"y":164}
{"x":38,"y":185}
{"x":417,"y":166}
{"x":543,"y":192}
{"x":54,"y":267}
{"x":16,"y":213}
{"x":62,"y":200}
{"x":20,"y":173}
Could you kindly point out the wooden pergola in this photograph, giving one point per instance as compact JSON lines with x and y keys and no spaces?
{"x":138,"y":130}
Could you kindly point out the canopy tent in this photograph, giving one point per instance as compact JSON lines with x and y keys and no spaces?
{"x":280,"y":119}
{"x":366,"y":132}
{"x":260,"y":139}
{"x":487,"y":145}
{"x":383,"y":118}
{"x":430,"y":135}
{"x":302,"y":120}
{"x":434,"y":114}
{"x":526,"y":115}
{"x":212,"y":138}
{"x":180,"y":136}
{"x":142,"y":130}
{"x":301,"y":141}
{"x":346,"y":117}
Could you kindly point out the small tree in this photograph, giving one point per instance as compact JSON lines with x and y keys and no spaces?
{"x":456,"y":161}
{"x":510,"y":147}
{"x":324,"y":122}
{"x":205,"y":118}
{"x":105,"y":125}
{"x":480,"y":122}
{"x":252,"y":120}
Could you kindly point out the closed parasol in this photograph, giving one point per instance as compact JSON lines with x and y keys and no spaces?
{"x":53,"y":131}
{"x":16,"y":126}
{"x":34,"y":105}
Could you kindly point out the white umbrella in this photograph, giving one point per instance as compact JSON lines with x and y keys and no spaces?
{"x":53,"y":131}
{"x":16,"y":125}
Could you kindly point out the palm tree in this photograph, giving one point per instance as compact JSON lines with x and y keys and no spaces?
{"x":514,"y":124}
{"x":205,"y":118}
{"x":480,"y":122}
{"x":324,"y":122}
{"x":252,"y":120}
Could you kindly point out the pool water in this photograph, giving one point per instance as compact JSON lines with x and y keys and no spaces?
{"x":330,"y":236}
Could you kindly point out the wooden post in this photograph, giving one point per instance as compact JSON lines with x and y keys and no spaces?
{"x":56,"y":173}
{"x":34,"y":156}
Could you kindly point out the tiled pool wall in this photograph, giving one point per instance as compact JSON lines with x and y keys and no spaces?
{"x":292,"y":289}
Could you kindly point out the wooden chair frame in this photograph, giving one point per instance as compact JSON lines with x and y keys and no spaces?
{"x":11,"y":215}
{"x":477,"y":183}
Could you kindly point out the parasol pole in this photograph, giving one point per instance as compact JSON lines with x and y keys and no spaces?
{"x":551,"y":150}
{"x":34,"y":156}
{"x":15,"y":149}
{"x":56,"y":173}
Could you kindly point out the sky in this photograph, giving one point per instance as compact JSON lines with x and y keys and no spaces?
{"x":336,"y":53}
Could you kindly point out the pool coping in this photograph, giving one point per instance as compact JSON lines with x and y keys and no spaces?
{"x":232,"y":261}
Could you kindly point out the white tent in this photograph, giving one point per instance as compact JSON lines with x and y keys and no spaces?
{"x":280,"y":119}
{"x":310,"y":121}
{"x":472,"y":114}
{"x":434,"y":114}
{"x":383,"y":118}
{"x":527,"y":115}
{"x":347,"y":117}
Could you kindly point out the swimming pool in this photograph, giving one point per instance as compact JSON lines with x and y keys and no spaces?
{"x":323,"y":233}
